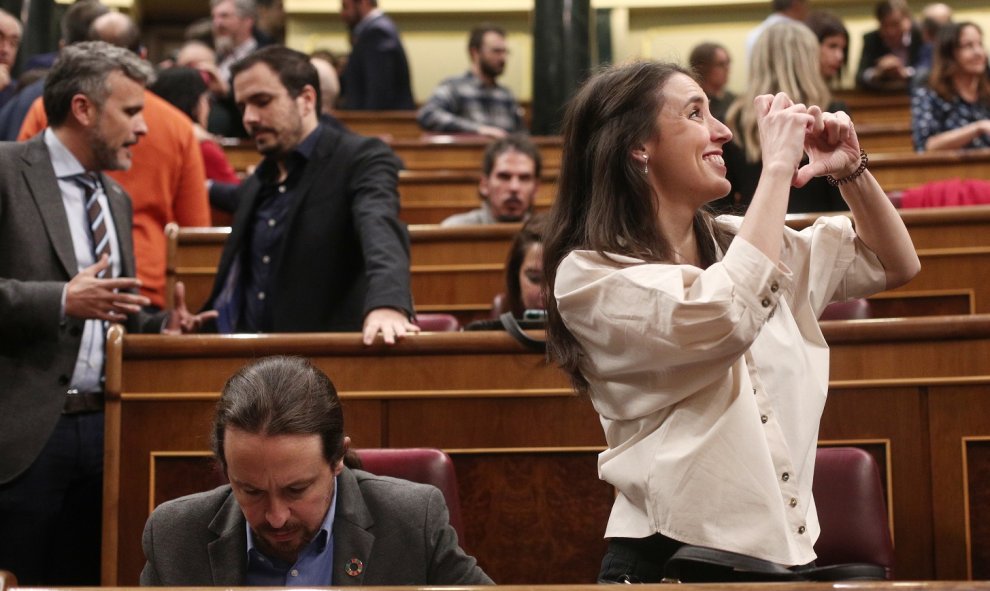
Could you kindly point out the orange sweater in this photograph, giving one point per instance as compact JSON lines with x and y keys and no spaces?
{"x":166,"y":183}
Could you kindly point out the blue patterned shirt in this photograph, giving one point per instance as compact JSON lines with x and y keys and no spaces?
{"x":932,"y":115}
{"x":463,"y":104}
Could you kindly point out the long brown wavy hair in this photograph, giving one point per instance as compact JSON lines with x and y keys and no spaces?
{"x":604,"y":201}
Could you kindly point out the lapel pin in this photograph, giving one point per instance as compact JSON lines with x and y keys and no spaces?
{"x":354,"y":567}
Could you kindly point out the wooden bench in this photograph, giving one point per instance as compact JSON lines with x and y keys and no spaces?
{"x":915,"y":393}
{"x":451,"y":152}
{"x":430,"y":196}
{"x":459,"y":270}
{"x":437,"y":152}
{"x":395,"y":124}
{"x":896,"y":172}
{"x":870,"y":107}
{"x":886,"y":138}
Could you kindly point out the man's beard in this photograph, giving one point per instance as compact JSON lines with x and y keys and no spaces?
{"x":490,"y":70}
{"x":105,"y":155}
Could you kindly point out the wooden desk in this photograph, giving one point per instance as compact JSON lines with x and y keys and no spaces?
{"x":913,"y":392}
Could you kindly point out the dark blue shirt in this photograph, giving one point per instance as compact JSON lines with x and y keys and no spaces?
{"x":275,"y":200}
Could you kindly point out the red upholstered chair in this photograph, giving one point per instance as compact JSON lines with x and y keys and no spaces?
{"x":858,"y":309}
{"x":424,"y":465}
{"x":438,"y":322}
{"x":849,"y":496}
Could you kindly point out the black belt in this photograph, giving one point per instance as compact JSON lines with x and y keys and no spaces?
{"x":78,"y":402}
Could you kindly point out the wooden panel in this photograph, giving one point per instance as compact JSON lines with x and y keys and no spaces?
{"x":977,"y":466}
{"x":860,"y":412}
{"x":535,"y":518}
{"x":959,"y":413}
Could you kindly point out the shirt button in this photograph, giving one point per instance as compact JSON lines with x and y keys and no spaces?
{"x":774,"y":287}
{"x":785,"y":476}
{"x":793,"y":502}
{"x":766,"y":302}
{"x":261,"y":296}
{"x":764,"y":418}
{"x":271,"y":223}
{"x":801,"y":530}
{"x":266,"y":259}
{"x":294,"y":572}
{"x":281,"y":189}
{"x":754,"y":391}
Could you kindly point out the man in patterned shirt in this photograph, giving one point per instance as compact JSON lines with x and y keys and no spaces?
{"x":474,"y":102}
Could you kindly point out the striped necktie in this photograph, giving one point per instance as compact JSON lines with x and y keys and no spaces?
{"x":97,"y":218}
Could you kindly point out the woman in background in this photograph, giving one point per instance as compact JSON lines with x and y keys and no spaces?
{"x":186,"y":89}
{"x":953,"y":110}
{"x":833,"y":42}
{"x":524,"y":282}
{"x":696,"y":338}
{"x":785,"y":59}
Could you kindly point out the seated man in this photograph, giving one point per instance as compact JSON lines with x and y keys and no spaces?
{"x":293,"y":514}
{"x":508,"y":186}
{"x":474,"y":102}
{"x":892,"y":52}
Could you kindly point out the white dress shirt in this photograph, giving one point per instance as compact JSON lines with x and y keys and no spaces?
{"x":88,"y":373}
{"x":710,"y":384}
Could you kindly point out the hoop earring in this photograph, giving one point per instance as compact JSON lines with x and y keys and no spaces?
{"x":646,"y":169}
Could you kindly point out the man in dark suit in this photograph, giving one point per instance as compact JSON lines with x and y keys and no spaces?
{"x":376,"y":77}
{"x":293,"y":514}
{"x":66,"y":268}
{"x":892,"y":52}
{"x":316,"y":243}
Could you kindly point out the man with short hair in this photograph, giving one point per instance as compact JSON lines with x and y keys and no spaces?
{"x":168,"y":180}
{"x":232,"y":25}
{"x":510,"y":180}
{"x":890,"y":53}
{"x":66,"y":269}
{"x":376,"y":77}
{"x":293,"y":513}
{"x":10,"y":41}
{"x":474,"y":102}
{"x":316,"y":243}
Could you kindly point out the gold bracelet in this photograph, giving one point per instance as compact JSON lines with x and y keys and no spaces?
{"x":863,"y":161}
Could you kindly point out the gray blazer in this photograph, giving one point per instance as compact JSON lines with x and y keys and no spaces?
{"x":38,"y":348}
{"x":399,"y":530}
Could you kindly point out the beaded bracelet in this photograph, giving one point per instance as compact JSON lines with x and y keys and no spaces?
{"x":863,"y":161}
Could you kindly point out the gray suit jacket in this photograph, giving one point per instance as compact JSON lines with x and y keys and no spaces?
{"x":399,"y":530}
{"x":38,"y":348}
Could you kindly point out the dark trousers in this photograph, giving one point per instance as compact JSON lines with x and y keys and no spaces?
{"x":637,"y":560}
{"x":50,"y":516}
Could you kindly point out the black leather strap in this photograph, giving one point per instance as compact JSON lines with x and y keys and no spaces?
{"x":511,"y":326}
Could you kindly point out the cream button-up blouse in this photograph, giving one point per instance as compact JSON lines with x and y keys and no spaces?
{"x":710,"y":384}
